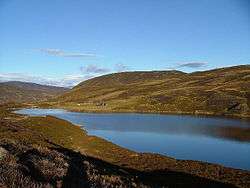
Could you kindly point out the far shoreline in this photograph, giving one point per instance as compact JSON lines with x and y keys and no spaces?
{"x":200,"y":114}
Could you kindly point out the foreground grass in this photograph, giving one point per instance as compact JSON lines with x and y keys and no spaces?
{"x":62,"y":154}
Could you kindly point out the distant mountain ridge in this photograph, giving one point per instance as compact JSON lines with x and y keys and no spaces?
{"x":224,"y":91}
{"x":16,"y":91}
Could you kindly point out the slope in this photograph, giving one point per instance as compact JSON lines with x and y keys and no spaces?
{"x":224,"y":91}
{"x":16,"y":91}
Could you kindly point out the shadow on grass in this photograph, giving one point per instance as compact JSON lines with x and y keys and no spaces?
{"x":76,"y":176}
{"x":62,"y":167}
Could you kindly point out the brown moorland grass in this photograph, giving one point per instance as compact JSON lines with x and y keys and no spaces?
{"x":18,"y":92}
{"x":224,"y":91}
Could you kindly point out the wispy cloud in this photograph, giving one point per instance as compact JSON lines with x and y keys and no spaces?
{"x":71,"y":80}
{"x":67,"y":81}
{"x":62,"y":53}
{"x":192,"y":64}
{"x":119,"y":67}
{"x":94,"y":69}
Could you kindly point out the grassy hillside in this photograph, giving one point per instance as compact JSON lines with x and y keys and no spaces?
{"x":224,"y":91}
{"x":15,"y":91}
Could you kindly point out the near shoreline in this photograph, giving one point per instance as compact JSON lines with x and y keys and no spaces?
{"x":67,"y":135}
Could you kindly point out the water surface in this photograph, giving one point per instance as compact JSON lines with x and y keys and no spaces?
{"x":212,"y":139}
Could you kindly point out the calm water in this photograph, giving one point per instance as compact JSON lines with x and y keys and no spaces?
{"x":208,"y":139}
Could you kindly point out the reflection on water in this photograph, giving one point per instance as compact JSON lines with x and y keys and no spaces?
{"x":218,"y":140}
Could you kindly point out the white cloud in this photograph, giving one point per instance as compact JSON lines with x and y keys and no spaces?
{"x":192,"y":64}
{"x":119,"y":67}
{"x":189,"y":65}
{"x":62,"y":53}
{"x":67,"y":81}
{"x":93,"y":69}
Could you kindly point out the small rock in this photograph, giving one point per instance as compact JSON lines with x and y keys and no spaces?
{"x":3,"y":153}
{"x":86,"y":162}
{"x":66,"y":164}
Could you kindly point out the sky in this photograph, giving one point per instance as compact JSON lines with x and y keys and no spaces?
{"x":63,"y":42}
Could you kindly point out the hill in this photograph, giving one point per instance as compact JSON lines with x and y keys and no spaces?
{"x":16,"y":91}
{"x":224,"y":91}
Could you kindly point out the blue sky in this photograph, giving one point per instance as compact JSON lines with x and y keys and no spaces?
{"x":63,"y":42}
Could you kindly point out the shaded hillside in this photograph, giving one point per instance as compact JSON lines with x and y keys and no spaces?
{"x":224,"y":91}
{"x":15,"y":91}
